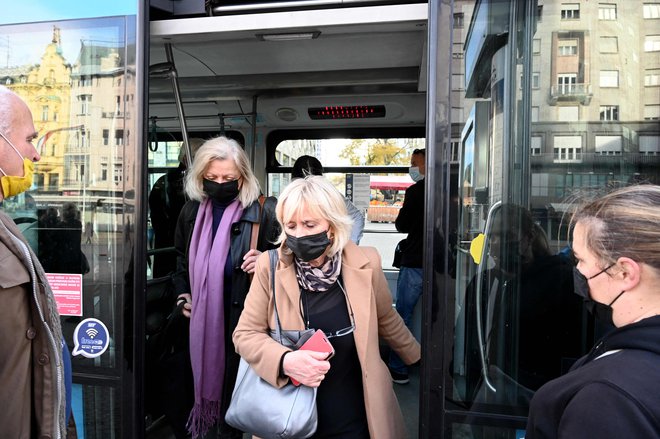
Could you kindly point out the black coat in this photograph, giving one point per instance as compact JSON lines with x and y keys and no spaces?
{"x":411,"y":221}
{"x":240,"y":282}
{"x":614,"y":396}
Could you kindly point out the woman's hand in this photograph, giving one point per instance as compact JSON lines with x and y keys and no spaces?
{"x":186,"y":309}
{"x":308,"y":367}
{"x":250,"y":260}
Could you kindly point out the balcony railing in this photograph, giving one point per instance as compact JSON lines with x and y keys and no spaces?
{"x":114,"y":114}
{"x":597,"y":159}
{"x":571,"y":92}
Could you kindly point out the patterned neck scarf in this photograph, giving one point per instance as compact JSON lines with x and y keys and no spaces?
{"x":318,"y":279}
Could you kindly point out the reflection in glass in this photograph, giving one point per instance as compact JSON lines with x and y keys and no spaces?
{"x":77,"y":78}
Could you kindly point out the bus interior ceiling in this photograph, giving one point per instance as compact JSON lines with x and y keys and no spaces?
{"x":283,"y":63}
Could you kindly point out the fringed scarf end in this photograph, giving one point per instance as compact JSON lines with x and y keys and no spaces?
{"x":202,"y":417}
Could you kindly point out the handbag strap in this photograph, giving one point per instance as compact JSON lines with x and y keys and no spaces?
{"x":254,"y":238}
{"x":274,"y":256}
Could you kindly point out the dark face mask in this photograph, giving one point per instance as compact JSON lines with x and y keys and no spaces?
{"x":221,"y":192}
{"x":307,"y":248}
{"x":599,"y":310}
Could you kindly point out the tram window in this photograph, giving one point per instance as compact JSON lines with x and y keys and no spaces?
{"x":372,"y":172}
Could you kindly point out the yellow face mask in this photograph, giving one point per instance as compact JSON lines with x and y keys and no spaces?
{"x":12,"y":185}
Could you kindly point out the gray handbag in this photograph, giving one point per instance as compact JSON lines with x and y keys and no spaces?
{"x":268,"y":412}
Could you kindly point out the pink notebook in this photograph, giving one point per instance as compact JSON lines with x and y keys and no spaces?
{"x":318,"y":342}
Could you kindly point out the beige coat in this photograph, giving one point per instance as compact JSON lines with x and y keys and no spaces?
{"x":371,"y":300}
{"x":32,"y":395}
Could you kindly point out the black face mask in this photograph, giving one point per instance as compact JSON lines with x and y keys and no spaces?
{"x":221,"y":192}
{"x":307,"y":248}
{"x":599,"y":310}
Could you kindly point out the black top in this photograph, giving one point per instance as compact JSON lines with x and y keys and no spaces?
{"x":411,"y":221}
{"x":340,"y":399}
{"x":605,"y":396}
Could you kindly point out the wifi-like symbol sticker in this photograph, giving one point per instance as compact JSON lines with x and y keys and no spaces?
{"x":91,"y":332}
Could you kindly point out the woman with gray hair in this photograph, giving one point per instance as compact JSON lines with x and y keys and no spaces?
{"x":326,"y":282}
{"x":214,"y":268}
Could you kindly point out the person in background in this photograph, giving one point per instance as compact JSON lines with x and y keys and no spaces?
{"x":612,"y":392}
{"x":307,"y":165}
{"x":70,"y":258}
{"x":409,"y":284}
{"x":326,"y":282}
{"x":166,"y":200}
{"x":32,"y":371}
{"x":214,"y":267}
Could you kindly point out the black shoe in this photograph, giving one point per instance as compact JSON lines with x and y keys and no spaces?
{"x":399,"y":378}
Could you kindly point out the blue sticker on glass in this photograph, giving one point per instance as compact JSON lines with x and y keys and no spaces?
{"x":91,"y":338}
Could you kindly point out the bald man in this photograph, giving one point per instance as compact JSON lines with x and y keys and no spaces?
{"x":32,"y":379}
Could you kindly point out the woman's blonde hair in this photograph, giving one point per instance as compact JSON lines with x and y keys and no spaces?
{"x":625,"y":222}
{"x":320,"y":198}
{"x":221,"y":148}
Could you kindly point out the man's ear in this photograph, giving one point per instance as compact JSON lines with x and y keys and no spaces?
{"x":630,"y":273}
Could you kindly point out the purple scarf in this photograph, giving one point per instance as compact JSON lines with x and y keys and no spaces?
{"x":207,"y":323}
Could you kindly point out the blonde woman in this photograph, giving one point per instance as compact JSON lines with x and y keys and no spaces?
{"x":214,"y":264}
{"x":326,"y":282}
{"x":612,"y":392}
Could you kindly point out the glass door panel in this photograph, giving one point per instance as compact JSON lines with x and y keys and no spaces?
{"x":78,"y":77}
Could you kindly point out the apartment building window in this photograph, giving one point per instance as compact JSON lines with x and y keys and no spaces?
{"x":104,"y":172}
{"x":536,"y":46}
{"x":535,"y":114}
{"x":117,"y":104}
{"x":570,"y":11}
{"x":536,"y":80}
{"x":459,"y":20}
{"x":83,"y":138}
{"x":608,"y":45}
{"x":568,"y":47}
{"x":609,"y":78}
{"x":119,"y":137}
{"x":455,"y":148}
{"x":44,"y":113}
{"x":652,"y":77}
{"x":567,"y":148}
{"x":539,"y":13}
{"x":540,"y":184}
{"x":607,"y":11}
{"x":608,"y":145}
{"x":84,"y":103}
{"x":609,"y":112}
{"x":652,"y":10}
{"x":652,"y":43}
{"x":566,"y":82}
{"x":568,"y":113}
{"x":536,"y":145}
{"x":649,"y":145}
{"x":106,"y":137}
{"x":651,"y":112}
{"x":118,"y":174}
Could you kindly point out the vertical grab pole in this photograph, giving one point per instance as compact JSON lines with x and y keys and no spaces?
{"x":179,"y":105}
{"x":253,"y":147}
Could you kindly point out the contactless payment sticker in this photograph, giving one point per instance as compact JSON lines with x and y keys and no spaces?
{"x":91,"y":338}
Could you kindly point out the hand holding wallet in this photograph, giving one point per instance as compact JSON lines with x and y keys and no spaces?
{"x":318,"y":342}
